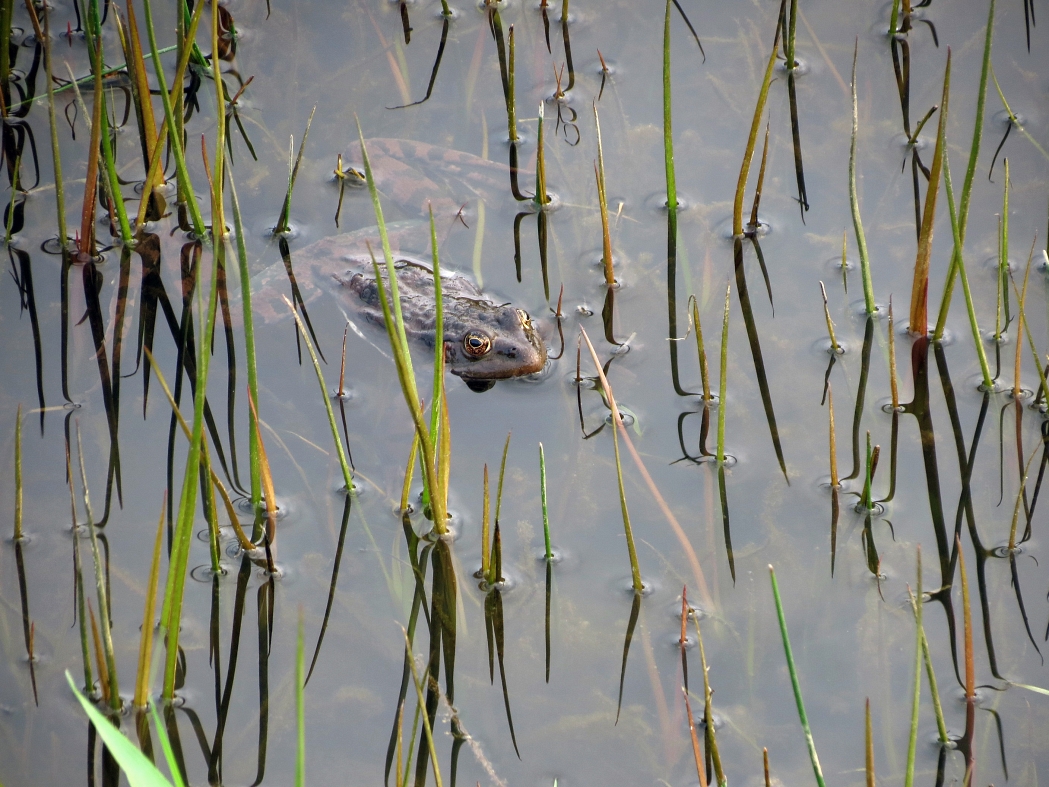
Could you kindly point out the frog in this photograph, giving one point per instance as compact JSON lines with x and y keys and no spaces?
{"x":484,"y":340}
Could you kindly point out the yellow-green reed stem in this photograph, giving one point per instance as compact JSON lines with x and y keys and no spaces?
{"x":704,"y":372}
{"x":602,"y":201}
{"x":941,"y":725}
{"x":100,"y":584}
{"x":541,"y":197}
{"x":300,"y":699}
{"x":145,"y":643}
{"x":18,"y":474}
{"x":425,"y":717}
{"x":245,"y":542}
{"x":893,"y":381}
{"x":958,"y":261}
{"x":85,"y":80}
{"x":866,"y":499}
{"x":816,"y":769}
{"x":835,"y":482}
{"x":401,"y":345}
{"x":921,"y":125}
{"x":868,"y":735}
{"x":708,"y":710}
{"x":44,"y":35}
{"x":436,"y":400}
{"x":1034,"y":351}
{"x":668,"y":130}
{"x":173,"y":122}
{"x":894,"y":18}
{"x":140,"y":83}
{"x":912,"y":743}
{"x":617,"y":424}
{"x":445,"y":10}
{"x":791,"y":27}
{"x":830,"y":323}
{"x":542,"y":495}
{"x":635,"y":570}
{"x":502,"y":473}
{"x":1015,"y":120}
{"x":1003,"y":254}
{"x":249,"y":343}
{"x":919,"y":316}
{"x":723,"y":385}
{"x":486,"y":527}
{"x":344,"y":465}
{"x":409,"y":473}
{"x":752,"y":141}
{"x":970,"y":173}
{"x":293,"y":174}
{"x":94,"y":40}
{"x":171,"y":612}
{"x":1020,"y":326}
{"x":78,"y":581}
{"x":431,"y":479}
{"x":511,"y":105}
{"x":854,"y":202}
{"x":218,"y":218}
{"x":1019,"y":499}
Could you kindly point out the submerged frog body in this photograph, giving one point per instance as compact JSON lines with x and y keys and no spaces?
{"x":483,"y":341}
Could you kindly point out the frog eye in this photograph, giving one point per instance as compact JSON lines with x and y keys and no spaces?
{"x":476,"y":344}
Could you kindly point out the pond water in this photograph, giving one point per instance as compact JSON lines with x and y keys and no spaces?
{"x":594,"y":711}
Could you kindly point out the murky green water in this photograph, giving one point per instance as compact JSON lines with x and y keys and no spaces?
{"x":853,"y":636}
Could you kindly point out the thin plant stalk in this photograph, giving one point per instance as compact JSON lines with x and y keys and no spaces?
{"x":511,"y":108}
{"x":486,"y":527}
{"x":830,"y":323}
{"x":816,"y":769}
{"x":425,"y":716}
{"x":970,"y":173}
{"x":679,"y":532}
{"x":44,"y":36}
{"x":542,"y":494}
{"x":912,"y":742}
{"x":100,"y":587}
{"x":18,"y":475}
{"x":668,"y":130}
{"x":704,"y":372}
{"x":868,"y":737}
{"x":249,"y":343}
{"x":752,"y":141}
{"x":723,"y":384}
{"x":541,"y":197}
{"x":602,"y":199}
{"x":958,"y":261}
{"x":174,"y":135}
{"x":920,"y":286}
{"x":854,"y":203}
{"x":145,"y":645}
{"x":171,"y":612}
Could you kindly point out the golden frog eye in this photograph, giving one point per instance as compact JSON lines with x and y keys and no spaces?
{"x":476,"y":344}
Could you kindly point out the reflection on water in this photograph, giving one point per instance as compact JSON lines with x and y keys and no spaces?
{"x":105,"y":337}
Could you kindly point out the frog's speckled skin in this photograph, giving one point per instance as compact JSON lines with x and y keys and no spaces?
{"x":516,"y":347}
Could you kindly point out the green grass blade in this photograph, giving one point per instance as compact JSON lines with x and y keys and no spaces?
{"x":816,"y":769}
{"x":912,"y":742}
{"x":542,"y":495}
{"x":970,"y":173}
{"x":139,"y":770}
{"x":854,"y":203}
